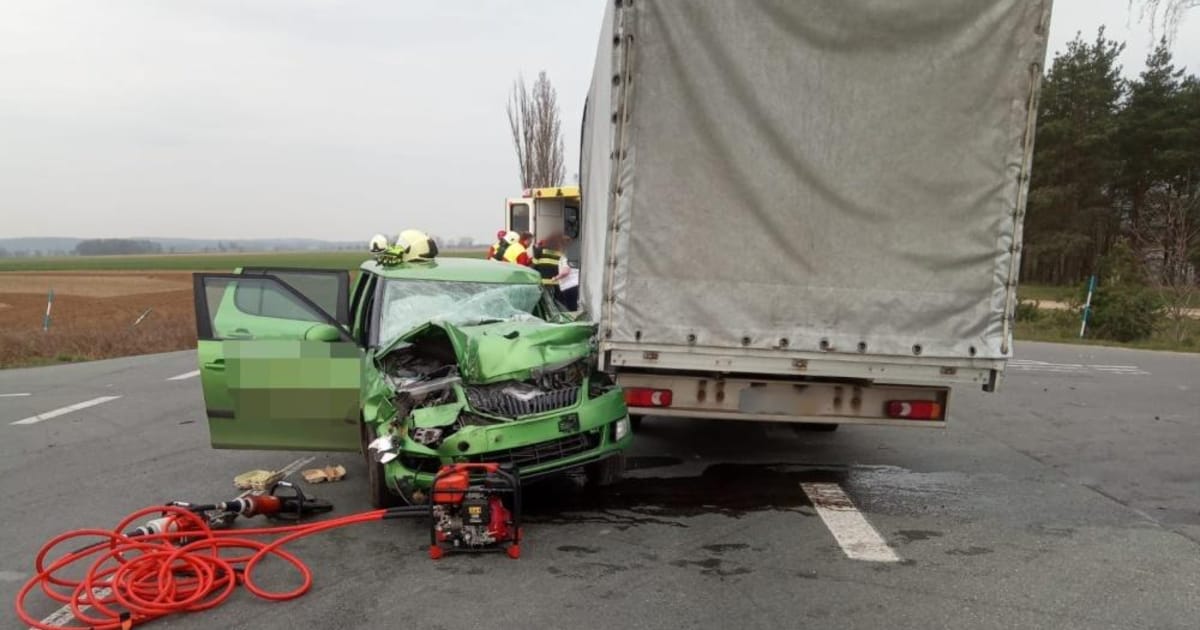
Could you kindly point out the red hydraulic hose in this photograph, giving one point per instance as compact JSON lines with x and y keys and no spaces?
{"x":181,"y":569}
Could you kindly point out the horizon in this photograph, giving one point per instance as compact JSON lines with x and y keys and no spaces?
{"x":279,"y":119}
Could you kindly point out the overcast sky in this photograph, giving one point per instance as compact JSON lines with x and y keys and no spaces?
{"x":304,"y":118}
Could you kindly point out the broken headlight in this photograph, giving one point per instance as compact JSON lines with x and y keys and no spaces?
{"x":430,"y":437}
{"x":383,"y":449}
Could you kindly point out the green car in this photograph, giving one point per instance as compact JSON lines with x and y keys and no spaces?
{"x":416,"y":365}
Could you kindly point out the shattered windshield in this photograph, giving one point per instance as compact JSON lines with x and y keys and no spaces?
{"x":408,"y":304}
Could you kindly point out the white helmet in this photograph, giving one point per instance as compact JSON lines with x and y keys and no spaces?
{"x":417,"y":246}
{"x":378,"y":244}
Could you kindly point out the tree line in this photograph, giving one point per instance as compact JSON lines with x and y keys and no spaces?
{"x":1116,"y":168}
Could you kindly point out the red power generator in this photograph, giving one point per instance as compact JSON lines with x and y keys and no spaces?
{"x":469,"y":514}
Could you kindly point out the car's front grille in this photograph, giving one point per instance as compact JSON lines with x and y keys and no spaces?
{"x":517,"y":400}
{"x":545,"y":452}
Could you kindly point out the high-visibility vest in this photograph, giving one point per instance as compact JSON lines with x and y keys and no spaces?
{"x":496,"y":252}
{"x":545,"y":261}
{"x":515,"y":253}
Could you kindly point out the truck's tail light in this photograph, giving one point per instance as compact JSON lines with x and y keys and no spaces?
{"x":914,"y":409}
{"x":645,"y":397}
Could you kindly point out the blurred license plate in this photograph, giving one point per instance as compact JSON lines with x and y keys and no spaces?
{"x":783,"y":401}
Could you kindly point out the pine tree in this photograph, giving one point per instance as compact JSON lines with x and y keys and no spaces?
{"x":1072,"y":218}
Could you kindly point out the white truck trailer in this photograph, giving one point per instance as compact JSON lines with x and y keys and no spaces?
{"x":808,"y":211}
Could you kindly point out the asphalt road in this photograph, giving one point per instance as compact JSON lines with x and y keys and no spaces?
{"x":1071,"y":499}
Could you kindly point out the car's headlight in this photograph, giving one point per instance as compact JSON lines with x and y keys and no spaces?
{"x":621,"y":428}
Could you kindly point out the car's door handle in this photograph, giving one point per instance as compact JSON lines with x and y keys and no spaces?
{"x":217,"y":365}
{"x":239,"y":333}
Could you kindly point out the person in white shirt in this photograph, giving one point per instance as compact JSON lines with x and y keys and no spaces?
{"x":568,"y":283}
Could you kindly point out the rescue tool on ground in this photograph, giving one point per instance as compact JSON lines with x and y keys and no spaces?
{"x":174,"y":562}
{"x":291,"y":506}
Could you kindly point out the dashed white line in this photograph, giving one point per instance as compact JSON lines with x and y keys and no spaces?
{"x":185,"y":375}
{"x":857,"y":538}
{"x":1026,"y":365}
{"x":65,"y":410}
{"x":63,"y":616}
{"x":14,"y":395}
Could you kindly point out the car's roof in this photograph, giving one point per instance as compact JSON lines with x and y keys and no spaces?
{"x":457,"y":270}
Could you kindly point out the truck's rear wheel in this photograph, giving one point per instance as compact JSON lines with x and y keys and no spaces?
{"x":635,"y":421}
{"x":377,"y":490}
{"x":605,"y":472}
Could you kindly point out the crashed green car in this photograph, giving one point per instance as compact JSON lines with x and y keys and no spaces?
{"x":416,"y":365}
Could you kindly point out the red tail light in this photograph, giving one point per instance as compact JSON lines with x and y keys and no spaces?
{"x":914,"y":409}
{"x":644,"y":397}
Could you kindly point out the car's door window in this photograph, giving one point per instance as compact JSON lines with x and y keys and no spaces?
{"x":231,"y":306}
{"x":328,"y":289}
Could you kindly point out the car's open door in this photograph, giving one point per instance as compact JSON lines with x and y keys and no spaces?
{"x":279,"y":371}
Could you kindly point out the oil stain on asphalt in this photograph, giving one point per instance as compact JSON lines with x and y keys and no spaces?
{"x":731,"y":490}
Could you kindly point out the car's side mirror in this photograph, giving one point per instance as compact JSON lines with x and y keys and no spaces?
{"x":322,"y":332}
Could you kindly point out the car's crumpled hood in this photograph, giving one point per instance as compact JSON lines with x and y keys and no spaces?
{"x":509,"y":350}
{"x":489,"y":353}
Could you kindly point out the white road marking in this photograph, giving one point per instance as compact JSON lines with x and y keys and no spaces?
{"x":63,"y":616}
{"x":185,"y":376}
{"x":1026,"y":365}
{"x":65,"y":410}
{"x":857,"y":538}
{"x":13,"y":395}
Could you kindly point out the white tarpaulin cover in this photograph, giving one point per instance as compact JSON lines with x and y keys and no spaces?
{"x":849,"y":171}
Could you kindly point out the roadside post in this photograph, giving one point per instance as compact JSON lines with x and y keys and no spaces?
{"x":141,"y":317}
{"x":46,"y":318}
{"x":1087,"y":306}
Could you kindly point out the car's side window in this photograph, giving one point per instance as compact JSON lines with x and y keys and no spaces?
{"x":266,"y":300}
{"x":247,"y":307}
{"x":325,"y":288}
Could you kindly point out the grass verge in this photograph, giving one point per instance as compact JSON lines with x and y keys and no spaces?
{"x":1063,"y":327}
{"x":203,"y":262}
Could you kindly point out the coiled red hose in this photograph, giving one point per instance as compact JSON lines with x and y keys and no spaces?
{"x":185,"y":569}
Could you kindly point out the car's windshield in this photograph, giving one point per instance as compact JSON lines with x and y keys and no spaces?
{"x":408,"y":304}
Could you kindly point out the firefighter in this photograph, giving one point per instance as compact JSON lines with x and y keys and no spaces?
{"x":496,"y":251}
{"x":514,"y":251}
{"x":545,"y":261}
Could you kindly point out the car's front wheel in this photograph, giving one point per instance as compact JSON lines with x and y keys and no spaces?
{"x":605,"y":472}
{"x":380,"y":495}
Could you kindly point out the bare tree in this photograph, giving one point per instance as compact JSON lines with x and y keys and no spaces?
{"x":536,"y":125}
{"x":1165,"y":14}
{"x":1173,"y":235}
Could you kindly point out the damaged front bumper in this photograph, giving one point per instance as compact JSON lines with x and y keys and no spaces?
{"x":562,"y":440}
{"x":514,"y":393}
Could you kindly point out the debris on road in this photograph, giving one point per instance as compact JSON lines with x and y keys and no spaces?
{"x":259,"y":480}
{"x":332,"y":473}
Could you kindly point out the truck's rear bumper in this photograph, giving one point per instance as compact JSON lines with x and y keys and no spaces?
{"x":936,"y":371}
{"x":781,"y":400}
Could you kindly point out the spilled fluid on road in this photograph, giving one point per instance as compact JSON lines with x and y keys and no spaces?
{"x":728,"y":489}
